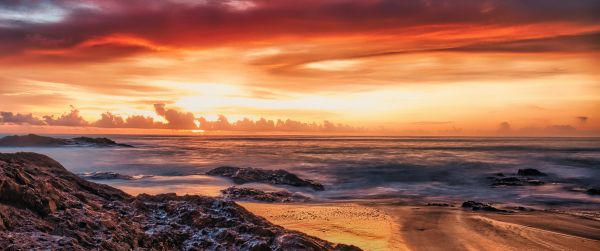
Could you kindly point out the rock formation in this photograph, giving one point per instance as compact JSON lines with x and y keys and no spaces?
{"x":32,"y":140}
{"x":278,"y":177}
{"x":44,"y":206}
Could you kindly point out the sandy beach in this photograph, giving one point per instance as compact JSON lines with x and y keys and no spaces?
{"x":388,"y":227}
{"x":385,"y":225}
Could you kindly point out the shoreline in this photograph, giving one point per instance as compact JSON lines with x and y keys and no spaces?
{"x":369,"y":224}
{"x":396,"y":224}
{"x":403,"y":227}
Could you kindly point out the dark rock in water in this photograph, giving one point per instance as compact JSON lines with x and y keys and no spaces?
{"x":279,"y":177}
{"x":478,"y":206}
{"x":43,"y":206}
{"x":244,"y":193}
{"x":32,"y":140}
{"x":105,"y":176}
{"x":98,"y":142}
{"x":593,"y":191}
{"x":530,"y":172}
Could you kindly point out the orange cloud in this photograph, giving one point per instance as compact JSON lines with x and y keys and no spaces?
{"x":176,"y":120}
{"x":361,"y":62}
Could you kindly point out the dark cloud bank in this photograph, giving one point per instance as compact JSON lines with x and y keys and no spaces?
{"x":176,"y":120}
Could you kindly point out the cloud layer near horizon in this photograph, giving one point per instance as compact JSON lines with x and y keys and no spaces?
{"x":176,"y":120}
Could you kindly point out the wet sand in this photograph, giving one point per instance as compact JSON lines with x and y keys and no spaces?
{"x":385,"y":227}
{"x":366,"y":227}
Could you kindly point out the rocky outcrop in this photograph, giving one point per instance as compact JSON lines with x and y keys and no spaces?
{"x":252,"y":194}
{"x":479,"y":206}
{"x":43,"y":206}
{"x":32,"y":140}
{"x":278,"y":177}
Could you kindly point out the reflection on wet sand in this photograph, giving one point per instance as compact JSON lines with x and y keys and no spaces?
{"x":365,"y":227}
{"x":433,"y":228}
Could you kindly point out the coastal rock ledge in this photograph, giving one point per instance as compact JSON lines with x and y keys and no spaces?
{"x":241,"y":175}
{"x":44,"y":206}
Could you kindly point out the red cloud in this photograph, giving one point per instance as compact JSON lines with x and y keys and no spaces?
{"x":215,"y":23}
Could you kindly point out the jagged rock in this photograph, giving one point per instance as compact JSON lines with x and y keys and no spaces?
{"x":43,"y":206}
{"x":478,"y":206}
{"x":530,"y":172}
{"x":105,"y":176}
{"x":244,"y":193}
{"x":32,"y":140}
{"x":278,"y":177}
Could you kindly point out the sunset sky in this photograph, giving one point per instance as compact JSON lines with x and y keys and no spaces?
{"x":412,"y":67}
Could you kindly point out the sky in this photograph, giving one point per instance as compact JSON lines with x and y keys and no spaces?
{"x":411,"y":67}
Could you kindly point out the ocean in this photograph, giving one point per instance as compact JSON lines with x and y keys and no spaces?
{"x":397,"y":169}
